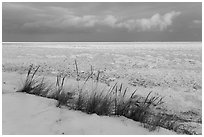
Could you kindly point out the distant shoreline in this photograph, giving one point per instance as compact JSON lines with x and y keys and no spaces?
{"x":110,"y":42}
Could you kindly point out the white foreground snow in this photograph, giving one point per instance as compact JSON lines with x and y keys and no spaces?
{"x":29,"y":114}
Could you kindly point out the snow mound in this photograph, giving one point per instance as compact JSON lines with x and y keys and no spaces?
{"x":29,"y":114}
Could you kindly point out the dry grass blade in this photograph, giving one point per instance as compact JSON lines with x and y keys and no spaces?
{"x":125,"y":92}
{"x":159,"y":102}
{"x":29,"y":70}
{"x":57,"y":81}
{"x":35,"y":72}
{"x":77,"y":70}
{"x":91,"y":69}
{"x":147,"y":97}
{"x":97,"y":78}
{"x":116,"y":89}
{"x":120,"y":89}
{"x":133,"y":93}
{"x":112,"y":88}
{"x":88,"y":78}
{"x":63,"y":81}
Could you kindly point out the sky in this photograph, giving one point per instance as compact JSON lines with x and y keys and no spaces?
{"x":101,"y":22}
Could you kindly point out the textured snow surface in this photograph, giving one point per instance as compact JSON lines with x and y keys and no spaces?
{"x":29,"y":114}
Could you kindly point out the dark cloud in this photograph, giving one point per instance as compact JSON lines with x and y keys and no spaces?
{"x":101,"y":21}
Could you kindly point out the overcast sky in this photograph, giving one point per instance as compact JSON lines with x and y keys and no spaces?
{"x":22,"y":22}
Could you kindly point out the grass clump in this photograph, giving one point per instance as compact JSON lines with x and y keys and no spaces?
{"x":31,"y":85}
{"x":63,"y":98}
{"x":99,"y":103}
{"x":41,"y":88}
{"x":80,"y":102}
{"x":122,"y":104}
{"x":60,"y":94}
{"x":136,"y":107}
{"x":114,"y":101}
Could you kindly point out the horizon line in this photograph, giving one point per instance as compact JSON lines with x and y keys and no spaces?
{"x":107,"y":42}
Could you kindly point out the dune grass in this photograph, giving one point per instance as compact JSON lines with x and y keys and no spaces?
{"x":60,"y":94}
{"x":97,"y":103}
{"x":31,"y":84}
{"x":114,"y":101}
